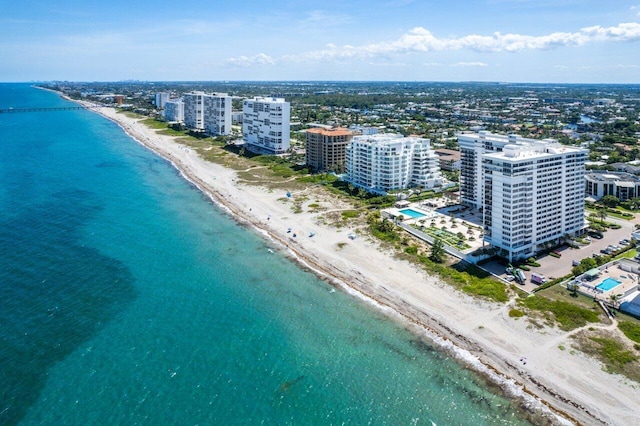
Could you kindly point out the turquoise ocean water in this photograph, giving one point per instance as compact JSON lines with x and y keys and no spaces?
{"x":128,"y":298}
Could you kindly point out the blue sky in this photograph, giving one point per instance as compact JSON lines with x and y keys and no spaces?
{"x":575,"y":41}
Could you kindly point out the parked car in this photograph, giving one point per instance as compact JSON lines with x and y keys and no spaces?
{"x":575,"y":262}
{"x":624,"y":242}
{"x":597,"y":235}
{"x":557,"y":252}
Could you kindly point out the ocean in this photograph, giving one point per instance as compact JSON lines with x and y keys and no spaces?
{"x":128,"y":297}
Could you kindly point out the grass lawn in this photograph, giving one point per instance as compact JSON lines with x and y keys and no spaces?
{"x":567,"y":314}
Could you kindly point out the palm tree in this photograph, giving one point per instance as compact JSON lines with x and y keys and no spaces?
{"x":602,"y":214}
{"x":614,"y":299}
{"x":437,"y":251}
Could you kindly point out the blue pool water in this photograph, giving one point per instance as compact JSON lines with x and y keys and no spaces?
{"x":412,"y":213}
{"x":608,"y":284}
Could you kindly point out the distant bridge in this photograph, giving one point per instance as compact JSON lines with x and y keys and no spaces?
{"x":15,"y":110}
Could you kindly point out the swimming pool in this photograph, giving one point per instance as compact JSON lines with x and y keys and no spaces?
{"x":414,"y":214}
{"x":608,"y":284}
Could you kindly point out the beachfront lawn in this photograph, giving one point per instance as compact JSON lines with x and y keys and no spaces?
{"x":560,"y":293}
{"x":131,"y":114}
{"x":616,"y":356}
{"x":468,"y":278}
{"x":155,"y":124}
{"x":630,"y":329}
{"x":567,"y":315}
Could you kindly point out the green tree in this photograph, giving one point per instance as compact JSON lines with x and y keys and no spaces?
{"x":610,"y":201}
{"x":386,"y":225}
{"x":437,"y":251}
{"x":614,"y":299}
{"x":585,"y":265}
{"x":602,"y":214}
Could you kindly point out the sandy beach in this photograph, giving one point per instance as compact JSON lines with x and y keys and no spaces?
{"x":565,"y":384}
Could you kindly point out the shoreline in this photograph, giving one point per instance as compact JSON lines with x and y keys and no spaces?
{"x":398,"y":289}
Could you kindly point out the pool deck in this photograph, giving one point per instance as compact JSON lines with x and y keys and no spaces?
{"x":629,"y":281}
{"x":441,"y":216}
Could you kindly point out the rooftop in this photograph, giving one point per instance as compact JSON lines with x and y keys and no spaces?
{"x":335,"y":131}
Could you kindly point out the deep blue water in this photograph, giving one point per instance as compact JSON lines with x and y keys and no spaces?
{"x":128,"y":298}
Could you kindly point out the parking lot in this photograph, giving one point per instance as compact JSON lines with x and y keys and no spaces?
{"x":552,"y":267}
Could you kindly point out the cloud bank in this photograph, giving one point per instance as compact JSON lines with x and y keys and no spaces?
{"x":246,"y":61}
{"x":422,"y":40}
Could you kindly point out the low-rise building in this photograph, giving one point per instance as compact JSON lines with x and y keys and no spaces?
{"x":621,"y":185}
{"x":364,"y":130}
{"x":449,"y":159}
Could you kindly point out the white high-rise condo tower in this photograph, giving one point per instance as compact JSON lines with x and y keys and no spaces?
{"x":531,"y":192}
{"x":265,"y":124}
{"x":384,"y":162}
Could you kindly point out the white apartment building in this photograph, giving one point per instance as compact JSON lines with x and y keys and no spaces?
{"x":472,"y":147}
{"x":364,"y":130}
{"x":161,"y":99}
{"x":265,"y":124}
{"x":217,"y":113}
{"x":384,"y":162}
{"x":194,"y":110}
{"x":174,"y":110}
{"x":623,"y":186}
{"x":531,"y":191}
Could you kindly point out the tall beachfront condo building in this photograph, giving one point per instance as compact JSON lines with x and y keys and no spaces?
{"x":531,"y":192}
{"x":326,"y":148}
{"x":472,"y":147}
{"x":217,"y":113}
{"x":194,"y":110}
{"x":265,"y":124}
{"x":384,"y":162}
{"x":174,"y":110}
{"x":161,"y":99}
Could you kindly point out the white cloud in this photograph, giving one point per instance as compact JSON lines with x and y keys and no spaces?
{"x":422,"y":40}
{"x":246,"y":61}
{"x":324,"y":19}
{"x":470,"y":64}
{"x":388,"y":64}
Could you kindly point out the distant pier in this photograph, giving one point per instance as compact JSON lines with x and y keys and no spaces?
{"x":16,"y":110}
